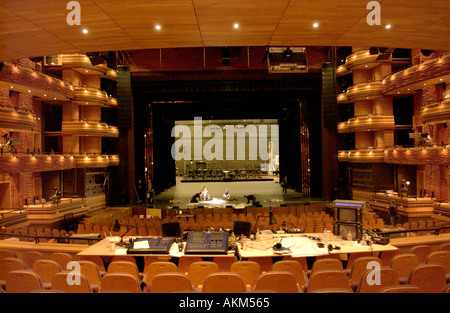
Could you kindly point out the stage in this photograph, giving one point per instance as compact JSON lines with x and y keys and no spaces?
{"x":267,"y":193}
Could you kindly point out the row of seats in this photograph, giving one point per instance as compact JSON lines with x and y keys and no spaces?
{"x":30,"y":233}
{"x":428,"y":276}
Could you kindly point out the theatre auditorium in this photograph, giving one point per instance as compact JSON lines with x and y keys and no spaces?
{"x":204,"y":146}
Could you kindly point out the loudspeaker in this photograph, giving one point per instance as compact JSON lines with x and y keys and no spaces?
{"x":329,"y":97}
{"x":242,"y":228}
{"x":171,"y":229}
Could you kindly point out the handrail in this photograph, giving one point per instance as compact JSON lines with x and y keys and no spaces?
{"x":435,"y":229}
{"x":64,"y":239}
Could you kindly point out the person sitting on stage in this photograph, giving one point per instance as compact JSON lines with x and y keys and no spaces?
{"x":227,"y":195}
{"x":195,"y":198}
{"x":251,"y":198}
{"x":204,"y":194}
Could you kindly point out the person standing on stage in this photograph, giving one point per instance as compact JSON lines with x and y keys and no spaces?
{"x":284,"y":184}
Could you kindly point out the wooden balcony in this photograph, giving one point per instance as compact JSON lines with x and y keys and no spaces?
{"x":96,"y":160}
{"x":17,"y":119}
{"x":430,"y":72}
{"x":82,"y":64}
{"x":35,"y":83}
{"x":367,"y":123}
{"x":110,"y":74}
{"x":23,"y":162}
{"x":362,"y":59}
{"x":89,"y":128}
{"x":375,"y":155}
{"x":343,"y":98}
{"x":365,"y":91}
{"x":418,"y":155}
{"x":436,"y":112}
{"x":342,"y":70}
{"x":112,"y":102}
{"x":90,"y":96}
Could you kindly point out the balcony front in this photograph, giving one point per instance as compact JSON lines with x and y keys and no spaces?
{"x":82,"y":64}
{"x":89,"y":96}
{"x":29,"y":81}
{"x":436,"y":112}
{"x":342,"y":70}
{"x":96,"y":160}
{"x":368,"y":155}
{"x":418,"y":155}
{"x":430,"y":72}
{"x":365,"y":91}
{"x":342,"y":98}
{"x":12,"y":118}
{"x":30,"y":162}
{"x":362,"y":59}
{"x":368,"y":122}
{"x":88,"y":128}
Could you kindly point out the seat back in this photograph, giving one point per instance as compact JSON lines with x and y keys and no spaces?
{"x":71,"y":282}
{"x":430,"y":278}
{"x":441,"y":258}
{"x":327,"y":264}
{"x":157,"y":268}
{"x":22,"y":281}
{"x":293,"y":267}
{"x":278,"y":281}
{"x":46,"y":269}
{"x":61,"y":258}
{"x":185,"y":261}
{"x":445,"y":246}
{"x":171,"y":282}
{"x":248,"y":270}
{"x":123,"y":267}
{"x":422,"y":251}
{"x":223,"y":282}
{"x":325,"y":279}
{"x":8,"y":264}
{"x":400,"y":289}
{"x":373,"y":280}
{"x":28,"y":257}
{"x":120,"y":282}
{"x":224,"y":262}
{"x":404,"y":263}
{"x":90,"y":269}
{"x":5,"y":253}
{"x":360,"y":265}
{"x":199,"y":270}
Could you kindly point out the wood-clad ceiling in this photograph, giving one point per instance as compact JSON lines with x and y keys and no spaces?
{"x":31,"y":28}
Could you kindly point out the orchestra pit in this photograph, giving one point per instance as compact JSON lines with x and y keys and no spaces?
{"x":206,"y":147}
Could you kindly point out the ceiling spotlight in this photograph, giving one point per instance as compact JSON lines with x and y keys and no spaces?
{"x":236,"y":25}
{"x":158,"y":27}
{"x":388,"y":26}
{"x":85,"y":31}
{"x":315,"y":25}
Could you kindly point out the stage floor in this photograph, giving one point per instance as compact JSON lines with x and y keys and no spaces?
{"x":180,"y":194}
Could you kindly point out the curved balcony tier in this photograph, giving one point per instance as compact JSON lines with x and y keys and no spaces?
{"x":436,"y":112}
{"x":342,"y":70}
{"x":93,"y":161}
{"x":27,"y":80}
{"x":375,"y":155}
{"x":343,"y":98}
{"x":112,"y":102}
{"x":89,"y":96}
{"x":17,"y":119}
{"x":89,"y":128}
{"x":367,"y":123}
{"x":82,"y":64}
{"x":22,"y":162}
{"x":362,"y":59}
{"x":110,"y":74}
{"x":365,"y":91}
{"x":430,"y":72}
{"x":418,"y":155}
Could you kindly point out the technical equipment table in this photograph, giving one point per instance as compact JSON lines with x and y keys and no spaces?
{"x":306,"y":245}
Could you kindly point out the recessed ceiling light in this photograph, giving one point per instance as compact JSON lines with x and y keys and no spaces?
{"x":29,"y":90}
{"x":388,"y":26}
{"x":315,"y":25}
{"x":158,"y":27}
{"x":45,"y":95}
{"x":236,"y":25}
{"x":85,"y":31}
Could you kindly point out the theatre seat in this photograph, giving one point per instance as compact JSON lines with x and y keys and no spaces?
{"x":155,"y":268}
{"x":278,"y":281}
{"x":324,"y":279}
{"x":400,"y":289}
{"x":430,"y":278}
{"x":295,"y":268}
{"x":422,"y":251}
{"x":61,"y":281}
{"x":441,"y":258}
{"x":171,"y":282}
{"x":46,"y":269}
{"x":28,"y":257}
{"x":7,"y":265}
{"x":120,"y":282}
{"x":403,"y":264}
{"x":22,"y":281}
{"x":61,"y":258}
{"x":359,"y":267}
{"x":90,"y":269}
{"x":370,"y":283}
{"x":223,"y":282}
{"x":198,"y":271}
{"x":249,"y":272}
